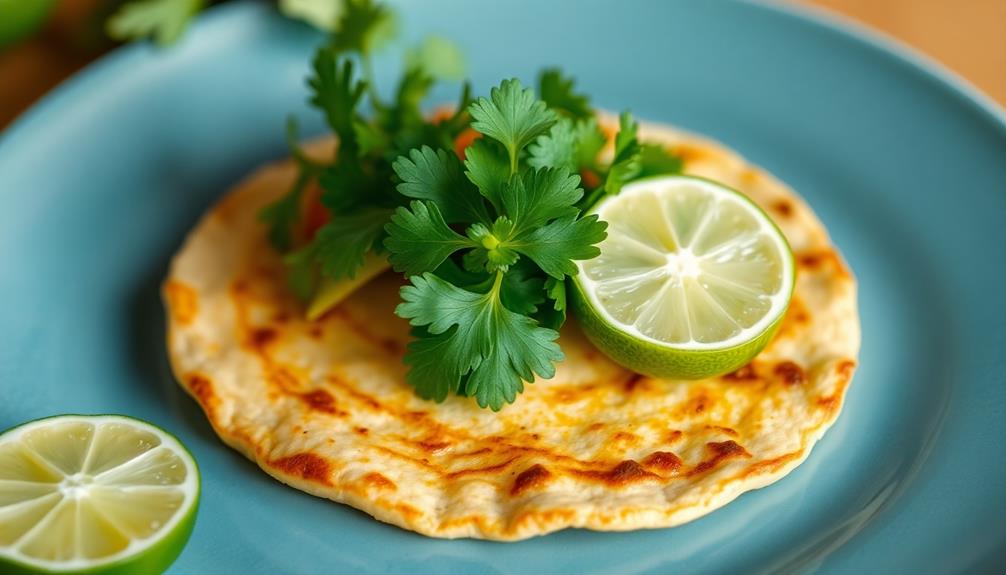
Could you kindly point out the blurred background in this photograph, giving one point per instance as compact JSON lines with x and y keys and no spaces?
{"x":44,"y":41}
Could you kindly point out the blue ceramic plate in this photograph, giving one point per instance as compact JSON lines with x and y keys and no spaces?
{"x":906,"y":167}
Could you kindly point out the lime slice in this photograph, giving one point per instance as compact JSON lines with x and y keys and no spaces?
{"x":94,"y":494}
{"x":692,"y":281}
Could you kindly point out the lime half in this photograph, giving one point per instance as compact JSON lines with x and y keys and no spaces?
{"x":692,"y":281}
{"x":94,"y":494}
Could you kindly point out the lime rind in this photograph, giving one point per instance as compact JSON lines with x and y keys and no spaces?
{"x":653,"y":360}
{"x":156,"y":511}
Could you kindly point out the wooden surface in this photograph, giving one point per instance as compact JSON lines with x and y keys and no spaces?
{"x":968,"y":36}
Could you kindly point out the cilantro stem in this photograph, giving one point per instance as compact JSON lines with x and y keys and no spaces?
{"x":513,"y":161}
{"x":368,"y":75}
{"x":497,"y":283}
{"x":592,"y":198}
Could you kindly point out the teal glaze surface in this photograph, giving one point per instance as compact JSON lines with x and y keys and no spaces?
{"x":100,"y":182}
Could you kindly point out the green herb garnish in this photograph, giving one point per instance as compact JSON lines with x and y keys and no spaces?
{"x":165,"y":21}
{"x":162,"y":20}
{"x":357,"y":187}
{"x":470,"y":340}
{"x":486,"y":227}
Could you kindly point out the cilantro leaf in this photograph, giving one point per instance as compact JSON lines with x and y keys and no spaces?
{"x":370,"y":138}
{"x":590,"y":141}
{"x":625,"y":167}
{"x":283,"y":215}
{"x":301,"y":272}
{"x":437,"y":363}
{"x":363,"y":27}
{"x":459,"y":121}
{"x":557,"y":92}
{"x":486,"y":167}
{"x":407,"y":112}
{"x":438,"y":57}
{"x":469,"y":331}
{"x":450,"y":271}
{"x":522,"y":350}
{"x":322,"y":14}
{"x":293,"y":142}
{"x":556,"y":149}
{"x":554,"y":246}
{"x":341,"y":244}
{"x":620,"y":174}
{"x":345,"y":186}
{"x":556,"y":292}
{"x":656,"y":160}
{"x":491,"y":252}
{"x":162,"y":20}
{"x":554,"y":316}
{"x":512,"y":116}
{"x":337,"y":94}
{"x":571,"y":145}
{"x":419,"y":136}
{"x":436,"y":175}
{"x":522,"y":288}
{"x":419,"y":239}
{"x":626,"y":138}
{"x":438,"y":305}
{"x":541,"y":195}
{"x":634,"y":160}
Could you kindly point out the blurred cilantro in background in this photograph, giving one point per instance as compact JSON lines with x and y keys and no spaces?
{"x":44,"y":41}
{"x":163,"y":21}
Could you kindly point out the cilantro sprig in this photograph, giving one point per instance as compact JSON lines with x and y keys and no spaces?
{"x":165,"y":21}
{"x":357,"y":193}
{"x":473,"y":336}
{"x":483,"y":210}
{"x":480,"y":339}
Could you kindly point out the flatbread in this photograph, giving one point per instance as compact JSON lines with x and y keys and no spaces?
{"x":324,"y":406}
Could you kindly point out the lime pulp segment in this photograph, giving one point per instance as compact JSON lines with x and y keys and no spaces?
{"x":80,"y":492}
{"x":688,"y":264}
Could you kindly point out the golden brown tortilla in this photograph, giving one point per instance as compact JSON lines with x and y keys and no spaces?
{"x":324,"y":406}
